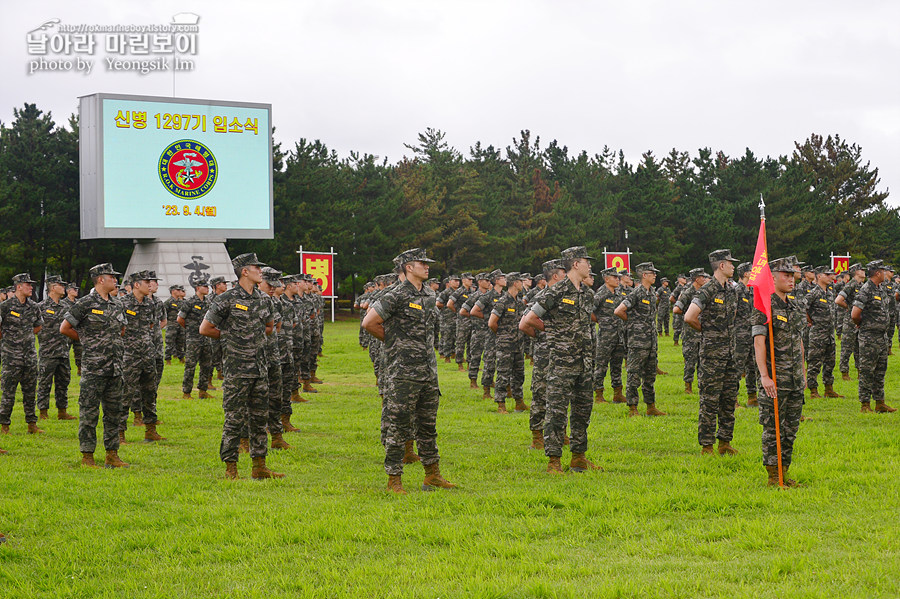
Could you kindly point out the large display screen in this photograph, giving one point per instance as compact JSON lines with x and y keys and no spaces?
{"x":175,"y":168}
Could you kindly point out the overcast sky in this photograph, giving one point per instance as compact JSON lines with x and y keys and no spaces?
{"x":637,"y":76}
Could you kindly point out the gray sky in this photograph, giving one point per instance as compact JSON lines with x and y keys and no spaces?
{"x":637,"y":76}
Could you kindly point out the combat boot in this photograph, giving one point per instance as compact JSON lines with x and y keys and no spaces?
{"x":845,"y":376}
{"x":113,"y":461}
{"x":618,"y":396}
{"x":260,"y":471}
{"x":3,"y":451}
{"x":554,"y":466}
{"x":773,"y":476}
{"x":44,"y":415}
{"x":452,"y":357}
{"x":537,"y":439}
{"x":751,"y":400}
{"x":660,"y":371}
{"x":138,"y":419}
{"x":231,"y":470}
{"x":652,"y":411}
{"x":580,"y":463}
{"x":883,"y":408}
{"x":725,"y":448}
{"x":286,"y":424}
{"x":278,"y":442}
{"x":598,"y":396}
{"x":830,"y":392}
{"x":508,"y":392}
{"x":461,"y":367}
{"x":314,"y":379}
{"x":409,"y":454}
{"x":220,"y":376}
{"x":395,"y":485}
{"x":865,"y":407}
{"x":122,"y":440}
{"x":186,"y":396}
{"x":434,"y":480}
{"x":295,"y":397}
{"x":33,"y":428}
{"x":688,"y":389}
{"x":151,"y":435}
{"x":790,"y":482}
{"x":706,"y":450}
{"x":210,"y":386}
{"x":244,"y":445}
{"x":204,"y":395}
{"x":308,"y":388}
{"x":473,"y":384}
{"x":4,"y":429}
{"x":566,"y":440}
{"x":676,"y":343}
{"x":501,"y":407}
{"x":633,"y":411}
{"x":487,"y":393}
{"x":168,"y":361}
{"x":814,"y":394}
{"x":87,"y":460}
{"x":447,"y":360}
{"x":63,"y":415}
{"x":521,"y":406}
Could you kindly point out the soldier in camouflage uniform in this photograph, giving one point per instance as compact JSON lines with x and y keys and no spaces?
{"x":477,"y":327}
{"x":849,"y":340}
{"x":677,"y":317}
{"x":198,"y":349}
{"x":98,"y":320}
{"x":508,"y":346}
{"x":402,"y":318}
{"x":174,"y":332}
{"x":820,"y":315}
{"x":77,"y":349}
{"x":53,"y":360}
{"x":292,"y":295}
{"x":289,"y":379}
{"x":375,"y":344}
{"x":564,"y":313}
{"x":638,"y":310}
{"x":713,"y":311}
{"x":161,"y":322}
{"x":20,"y":321}
{"x":610,"y":346}
{"x":317,"y":331}
{"x":363,"y":336}
{"x":463,"y":324}
{"x":787,"y":328}
{"x":241,"y":317}
{"x":435,"y":285}
{"x":690,"y":339}
{"x":271,"y":279}
{"x":139,"y":375}
{"x":217,"y":286}
{"x":870,"y":313}
{"x":482,"y":309}
{"x":308,"y":307}
{"x":553,"y":272}
{"x":746,"y":356}
{"x":448,"y":319}
{"x":664,"y":307}
{"x":891,"y":294}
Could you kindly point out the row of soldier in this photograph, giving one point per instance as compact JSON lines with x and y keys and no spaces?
{"x":483,"y":315}
{"x":120,"y":355}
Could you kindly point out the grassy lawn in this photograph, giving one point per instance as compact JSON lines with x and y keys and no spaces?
{"x":659,"y":522}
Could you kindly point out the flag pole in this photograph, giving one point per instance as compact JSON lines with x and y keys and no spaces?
{"x":762,"y":215}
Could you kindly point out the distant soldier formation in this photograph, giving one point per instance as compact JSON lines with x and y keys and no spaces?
{"x":584,"y":334}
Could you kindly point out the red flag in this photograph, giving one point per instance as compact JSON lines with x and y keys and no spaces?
{"x":760,"y":275}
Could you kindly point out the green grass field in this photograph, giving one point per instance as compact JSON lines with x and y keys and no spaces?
{"x":659,"y":522}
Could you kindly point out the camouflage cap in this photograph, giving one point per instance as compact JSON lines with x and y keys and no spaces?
{"x":173,"y":288}
{"x":496,"y":274}
{"x":576,"y":253}
{"x":795,"y":263}
{"x":783,"y":264}
{"x":719,"y":255}
{"x":512,"y":277}
{"x":664,"y":280}
{"x":555,"y":264}
{"x":646,"y":267}
{"x":874,"y":266}
{"x":413,"y":255}
{"x":626,"y":273}
{"x":153,"y":276}
{"x":453,"y":278}
{"x":71,"y":285}
{"x":612,"y":271}
{"x":525,"y":275}
{"x":243,"y":260}
{"x":889,"y":268}
{"x":55,"y":280}
{"x":103,"y":269}
{"x":202,"y":281}
{"x":216,"y":280}
{"x":681,"y":276}
{"x":141,"y":275}
{"x":467,"y":275}
{"x":537,"y":278}
{"x":694,"y":273}
{"x":269,"y":274}
{"x":742,"y":268}
{"x":854,"y":267}
{"x":824,"y":270}
{"x":431,"y":280}
{"x":482,"y":276}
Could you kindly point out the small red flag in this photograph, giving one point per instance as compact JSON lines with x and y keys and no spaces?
{"x":760,"y":275}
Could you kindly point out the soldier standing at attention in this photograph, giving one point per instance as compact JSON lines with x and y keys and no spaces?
{"x":53,"y":359}
{"x":217,"y":286}
{"x":849,"y":338}
{"x":486,"y":303}
{"x":713,"y":312}
{"x":271,"y":280}
{"x":174,"y":332}
{"x":610,"y":337}
{"x":197,"y":346}
{"x":71,"y":298}
{"x":463,"y":327}
{"x":663,"y":307}
{"x":746,"y":356}
{"x":139,"y":374}
{"x":638,"y":310}
{"x":690,"y":340}
{"x":98,"y":321}
{"x":20,"y":321}
{"x":241,"y":318}
{"x":891,"y":294}
{"x":292,"y":296}
{"x":787,"y":329}
{"x":509,"y":349}
{"x":870,"y":314}
{"x":289,"y":381}
{"x":402,"y":319}
{"x":820,"y":315}
{"x":677,"y":318}
{"x":448,"y":319}
{"x":567,"y":308}
{"x":477,"y":327}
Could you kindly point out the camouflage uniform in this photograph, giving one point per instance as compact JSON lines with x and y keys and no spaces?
{"x":54,"y":356}
{"x":849,"y":338}
{"x":678,"y":319}
{"x":642,"y":346}
{"x":787,"y":327}
{"x":410,"y":365}
{"x":463,"y":323}
{"x":174,"y":332}
{"x":821,"y":352}
{"x":20,"y":363}
{"x":663,"y":307}
{"x":298,"y":341}
{"x":485,"y":303}
{"x":363,"y":334}
{"x":690,"y":339}
{"x":478,"y":332}
{"x":139,"y":375}
{"x":540,"y":355}
{"x":286,"y":348}
{"x":566,"y":313}
{"x":746,"y":355}
{"x":99,"y":324}
{"x":198,"y":348}
{"x":159,"y":309}
{"x":509,"y":349}
{"x":873,"y":343}
{"x":273,"y":364}
{"x":448,"y":323}
{"x":610,"y":348}
{"x":719,"y":376}
{"x":242,"y":319}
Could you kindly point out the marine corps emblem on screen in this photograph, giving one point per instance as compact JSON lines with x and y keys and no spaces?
{"x":188,"y":169}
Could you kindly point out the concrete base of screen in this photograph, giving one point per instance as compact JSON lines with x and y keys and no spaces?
{"x":180,"y":262}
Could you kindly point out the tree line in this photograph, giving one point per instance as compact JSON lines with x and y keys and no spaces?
{"x":510,"y":208}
